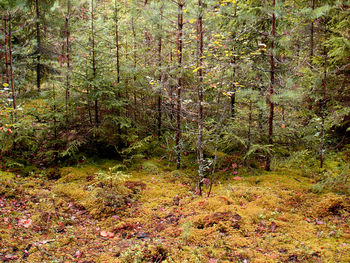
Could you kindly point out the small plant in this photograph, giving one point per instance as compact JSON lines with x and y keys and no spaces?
{"x":112,"y":175}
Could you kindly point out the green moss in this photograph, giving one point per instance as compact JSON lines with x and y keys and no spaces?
{"x":150,"y":167}
{"x":6,"y":176}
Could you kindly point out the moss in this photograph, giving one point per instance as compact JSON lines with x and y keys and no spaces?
{"x":73,"y":174}
{"x":53,"y":173}
{"x":8,"y":186}
{"x":332,"y":204}
{"x":150,"y":167}
{"x":6,"y":176}
{"x":277,"y":224}
{"x":27,"y":170}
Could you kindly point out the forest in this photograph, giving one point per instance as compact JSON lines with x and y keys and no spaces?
{"x":174,"y":131}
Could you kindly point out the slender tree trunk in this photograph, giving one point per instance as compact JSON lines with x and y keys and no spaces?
{"x":261,"y":87}
{"x":117,"y":47}
{"x":135,"y":65}
{"x":1,"y":47}
{"x":6,"y":52}
{"x":312,"y":37}
{"x":323,"y":107}
{"x":179,"y":87}
{"x":200,"y":97}
{"x":250,"y":124}
{"x":88,"y":99}
{"x":171,"y":89}
{"x":38,"y":51}
{"x":94,"y":62}
{"x":234,"y":89}
{"x":160,"y":77}
{"x":55,"y":125}
{"x":68,"y":59}
{"x":272,"y":83}
{"x":117,"y":40}
{"x":11,"y":67}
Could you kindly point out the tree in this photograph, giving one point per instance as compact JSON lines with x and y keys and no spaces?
{"x":200,"y":95}
{"x":179,"y":41}
{"x":272,"y":81}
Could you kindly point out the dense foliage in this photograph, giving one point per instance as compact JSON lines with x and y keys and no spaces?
{"x":104,"y":77}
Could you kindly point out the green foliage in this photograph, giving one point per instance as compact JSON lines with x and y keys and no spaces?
{"x":330,"y":182}
{"x":112,"y":176}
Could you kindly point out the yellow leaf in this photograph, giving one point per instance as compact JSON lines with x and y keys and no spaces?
{"x":196,"y":69}
{"x":192,"y":20}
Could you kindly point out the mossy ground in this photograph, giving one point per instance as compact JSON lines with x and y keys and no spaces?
{"x":155,"y":215}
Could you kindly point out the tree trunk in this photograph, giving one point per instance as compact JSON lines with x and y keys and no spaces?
{"x":118,"y":68}
{"x":200,"y":97}
{"x":11,"y":67}
{"x":135,"y":66}
{"x":159,"y":117}
{"x":323,"y":107}
{"x":68,"y":59}
{"x":272,"y":83}
{"x":250,"y":124}
{"x":1,"y":47}
{"x":55,"y":125}
{"x":312,"y":37}
{"x":179,"y":87}
{"x":6,"y":52}
{"x":94,"y":62}
{"x":117,"y":40}
{"x":38,"y":51}
{"x":234,"y":89}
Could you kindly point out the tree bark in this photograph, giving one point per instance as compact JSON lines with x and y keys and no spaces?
{"x":160,"y":77}
{"x":38,"y":51}
{"x":117,"y":47}
{"x":272,"y":83}
{"x":323,"y":107}
{"x":1,"y":47}
{"x":234,"y":89}
{"x":6,"y":52}
{"x":312,"y":37}
{"x":11,"y":67}
{"x":200,"y":97}
{"x":94,"y":62}
{"x":117,"y":40}
{"x":179,"y":87}
{"x":68,"y":59}
{"x":135,"y":66}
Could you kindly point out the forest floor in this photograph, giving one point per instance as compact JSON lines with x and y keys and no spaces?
{"x":154,"y":215}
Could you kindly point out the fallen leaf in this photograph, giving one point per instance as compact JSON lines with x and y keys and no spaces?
{"x":78,"y":254}
{"x":319,"y":222}
{"x":237,"y":178}
{"x":273,"y":227}
{"x":106,"y":234}
{"x":308,"y":220}
{"x":25,"y":222}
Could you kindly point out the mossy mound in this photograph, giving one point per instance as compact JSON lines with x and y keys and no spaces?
{"x":150,"y":166}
